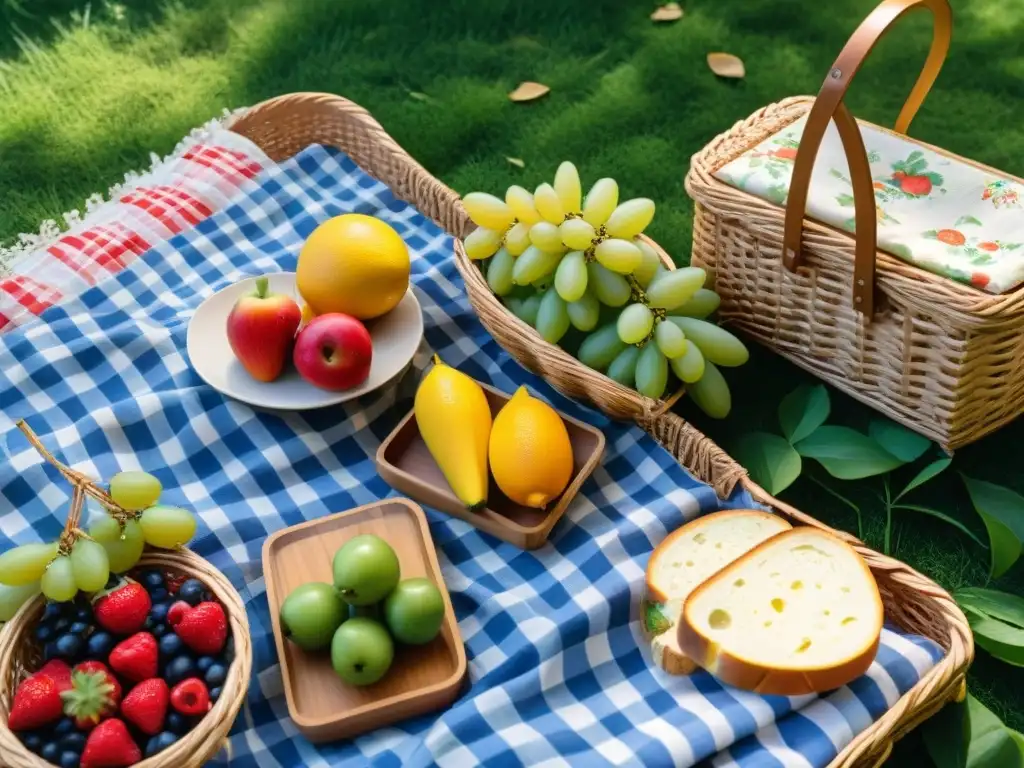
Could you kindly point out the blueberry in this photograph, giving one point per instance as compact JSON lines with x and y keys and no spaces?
{"x":203,"y":664}
{"x":152,"y":579}
{"x":216,"y":675}
{"x":229,"y":650}
{"x":64,"y":727}
{"x":33,"y":742}
{"x":177,"y":723}
{"x":158,"y":613}
{"x":50,"y":752}
{"x":159,"y":743}
{"x":191,"y":591}
{"x":49,"y":651}
{"x":112,"y":581}
{"x":73,"y":742}
{"x":79,"y":628}
{"x":214,"y":693}
{"x":69,"y":760}
{"x":70,"y":647}
{"x":178,"y":669}
{"x":84,"y":613}
{"x":44,"y":633}
{"x":149,"y":623}
{"x":159,"y":630}
{"x":100,"y":645}
{"x":51,"y":612}
{"x":62,"y":626}
{"x":171,"y":645}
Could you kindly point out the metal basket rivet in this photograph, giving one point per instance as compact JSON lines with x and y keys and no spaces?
{"x":836,"y":73}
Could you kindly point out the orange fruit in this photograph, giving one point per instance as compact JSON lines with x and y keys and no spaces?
{"x":354,"y":264}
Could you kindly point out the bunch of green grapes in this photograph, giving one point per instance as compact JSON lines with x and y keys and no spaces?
{"x":112,"y":545}
{"x":560,"y":261}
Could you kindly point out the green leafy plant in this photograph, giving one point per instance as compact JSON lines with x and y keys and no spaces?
{"x":969,"y":735}
{"x":963,"y":735}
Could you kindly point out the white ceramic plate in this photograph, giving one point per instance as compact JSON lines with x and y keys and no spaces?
{"x":396,"y":337}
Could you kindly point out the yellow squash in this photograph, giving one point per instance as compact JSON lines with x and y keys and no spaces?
{"x":530,"y":451}
{"x":455,"y":421}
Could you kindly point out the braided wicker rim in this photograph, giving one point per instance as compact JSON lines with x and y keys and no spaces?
{"x":20,"y":655}
{"x":549,"y":361}
{"x":285,"y":125}
{"x":952,"y":303}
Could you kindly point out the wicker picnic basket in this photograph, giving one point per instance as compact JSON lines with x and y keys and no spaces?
{"x":20,"y":655}
{"x":945,"y":359}
{"x":287,"y":124}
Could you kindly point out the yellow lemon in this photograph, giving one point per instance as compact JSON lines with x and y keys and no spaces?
{"x":454,"y":420}
{"x":530,"y":452}
{"x":353,"y":264}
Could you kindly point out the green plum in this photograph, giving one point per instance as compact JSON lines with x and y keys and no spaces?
{"x":362,"y":651}
{"x":311,"y":614}
{"x":365,"y":570}
{"x":414,"y":611}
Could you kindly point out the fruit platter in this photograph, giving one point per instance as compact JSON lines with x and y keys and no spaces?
{"x":345,"y":324}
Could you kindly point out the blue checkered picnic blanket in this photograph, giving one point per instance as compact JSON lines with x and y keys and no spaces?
{"x":558,"y":672}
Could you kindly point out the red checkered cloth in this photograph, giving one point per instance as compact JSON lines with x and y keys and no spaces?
{"x":203,"y":175}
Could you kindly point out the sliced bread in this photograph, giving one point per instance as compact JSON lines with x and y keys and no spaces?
{"x":798,"y":614}
{"x":686,"y":558}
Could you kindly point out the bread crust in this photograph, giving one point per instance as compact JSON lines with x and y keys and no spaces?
{"x":667,"y":653}
{"x":764,"y":679}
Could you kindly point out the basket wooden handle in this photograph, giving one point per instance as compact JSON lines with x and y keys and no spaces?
{"x":829,"y":106}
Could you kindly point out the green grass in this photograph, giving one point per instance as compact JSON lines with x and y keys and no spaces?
{"x":98,"y":92}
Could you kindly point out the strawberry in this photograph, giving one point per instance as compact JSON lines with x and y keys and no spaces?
{"x":204,"y":628}
{"x":94,"y":694}
{"x":190,"y":697}
{"x":36,"y":703}
{"x":135,"y":658}
{"x":177,"y":611}
{"x":58,"y":671}
{"x":110,"y":746}
{"x":124,"y":609}
{"x":145,"y":706}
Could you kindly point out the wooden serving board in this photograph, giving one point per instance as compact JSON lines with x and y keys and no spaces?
{"x":421,"y":679}
{"x":405,"y":463}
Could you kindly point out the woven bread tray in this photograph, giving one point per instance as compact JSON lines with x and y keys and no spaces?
{"x":287,"y":124}
{"x":945,"y":359}
{"x":20,"y":655}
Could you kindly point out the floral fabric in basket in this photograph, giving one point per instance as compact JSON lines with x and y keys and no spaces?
{"x":558,"y":672}
{"x":934,"y":210}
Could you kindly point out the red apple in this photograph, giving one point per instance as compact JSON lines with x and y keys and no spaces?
{"x":334,"y":352}
{"x":261,"y":330}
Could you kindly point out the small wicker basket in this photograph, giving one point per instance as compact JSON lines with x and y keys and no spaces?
{"x":288,"y":124}
{"x":20,"y":654}
{"x":945,"y":359}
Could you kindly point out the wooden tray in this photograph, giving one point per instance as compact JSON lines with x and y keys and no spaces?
{"x":420,"y":680}
{"x":405,"y":463}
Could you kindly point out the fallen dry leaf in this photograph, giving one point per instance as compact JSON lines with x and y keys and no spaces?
{"x":669,"y":12}
{"x":516,"y":161}
{"x":726,"y":65}
{"x":528,"y":91}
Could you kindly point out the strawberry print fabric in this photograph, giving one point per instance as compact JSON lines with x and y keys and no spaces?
{"x":934,"y":211}
{"x":201,"y":178}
